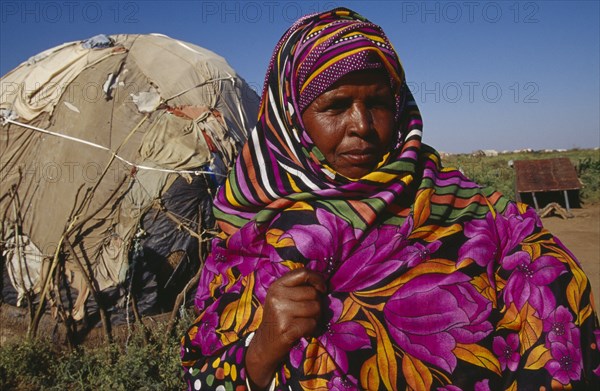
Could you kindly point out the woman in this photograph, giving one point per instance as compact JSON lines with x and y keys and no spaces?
{"x":350,"y":259}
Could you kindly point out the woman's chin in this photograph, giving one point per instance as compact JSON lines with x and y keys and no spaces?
{"x":356,"y":172}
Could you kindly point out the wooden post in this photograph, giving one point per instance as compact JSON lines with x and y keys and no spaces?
{"x":567,"y":201}
{"x":537,"y":207}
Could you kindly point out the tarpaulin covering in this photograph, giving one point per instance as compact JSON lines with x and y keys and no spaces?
{"x":112,"y":146}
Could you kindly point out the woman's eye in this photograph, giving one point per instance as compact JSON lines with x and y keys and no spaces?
{"x":337,"y":105}
{"x":382,"y":103}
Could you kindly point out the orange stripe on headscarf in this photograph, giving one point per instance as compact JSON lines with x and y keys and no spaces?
{"x":365,"y":212}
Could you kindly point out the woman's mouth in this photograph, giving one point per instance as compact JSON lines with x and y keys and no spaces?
{"x":362,"y":156}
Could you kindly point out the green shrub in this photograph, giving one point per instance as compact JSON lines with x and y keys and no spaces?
{"x":26,"y":366}
{"x":146,"y":362}
{"x":588,"y":170}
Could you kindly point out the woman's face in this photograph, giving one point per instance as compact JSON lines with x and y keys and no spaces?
{"x":352,"y":123}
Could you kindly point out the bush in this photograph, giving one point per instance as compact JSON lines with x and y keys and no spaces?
{"x":137,"y":365}
{"x":26,"y":366}
{"x":588,"y":170}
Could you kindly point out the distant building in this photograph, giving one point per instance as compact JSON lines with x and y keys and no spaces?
{"x":485,"y":152}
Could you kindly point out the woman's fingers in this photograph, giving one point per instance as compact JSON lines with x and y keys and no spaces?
{"x":293,"y":306}
{"x":303,"y":276}
{"x":303,"y":293}
{"x":297,"y":294}
{"x":293,"y":309}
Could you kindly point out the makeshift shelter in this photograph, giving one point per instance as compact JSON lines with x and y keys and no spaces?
{"x":110,"y":152}
{"x":544,"y":181}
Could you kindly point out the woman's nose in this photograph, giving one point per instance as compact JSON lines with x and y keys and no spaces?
{"x":361,"y":119}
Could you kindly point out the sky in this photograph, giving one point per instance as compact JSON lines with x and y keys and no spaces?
{"x":501,"y":75}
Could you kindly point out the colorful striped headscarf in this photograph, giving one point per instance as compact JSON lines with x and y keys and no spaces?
{"x":280,"y":163}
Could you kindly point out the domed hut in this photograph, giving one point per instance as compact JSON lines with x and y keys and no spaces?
{"x":111,"y":149}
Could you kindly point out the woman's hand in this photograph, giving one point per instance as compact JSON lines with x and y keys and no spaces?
{"x":292,"y":310}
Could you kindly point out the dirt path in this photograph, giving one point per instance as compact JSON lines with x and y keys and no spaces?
{"x":581,"y":235}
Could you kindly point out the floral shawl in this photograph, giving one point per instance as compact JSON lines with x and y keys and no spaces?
{"x":434,"y":283}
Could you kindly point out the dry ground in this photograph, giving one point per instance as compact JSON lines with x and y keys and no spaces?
{"x":581,"y":235}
